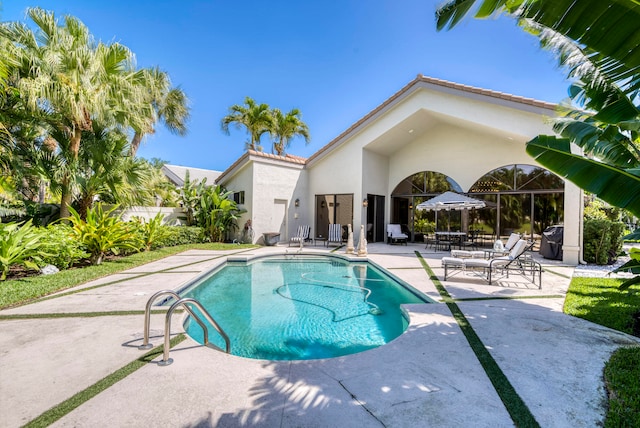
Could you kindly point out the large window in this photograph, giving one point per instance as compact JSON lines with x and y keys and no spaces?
{"x":523,"y":198}
{"x":519,"y":198}
{"x":333,"y":209}
{"x":418,"y":188}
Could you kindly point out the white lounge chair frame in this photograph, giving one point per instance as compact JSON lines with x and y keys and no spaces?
{"x":516,"y":262}
{"x":302,"y":235}
{"x":508,"y":246}
{"x":394,"y":234}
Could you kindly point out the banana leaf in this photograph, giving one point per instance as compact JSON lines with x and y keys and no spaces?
{"x":608,"y":144}
{"x":635,"y":236}
{"x":632,"y":266}
{"x":607,"y":29}
{"x":617,"y":186}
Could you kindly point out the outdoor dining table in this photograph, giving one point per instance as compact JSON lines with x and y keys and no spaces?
{"x":451,"y":237}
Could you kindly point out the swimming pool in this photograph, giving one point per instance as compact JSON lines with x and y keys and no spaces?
{"x":301,"y":308}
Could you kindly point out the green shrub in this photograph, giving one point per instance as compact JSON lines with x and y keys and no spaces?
{"x":42,"y":214}
{"x":19,"y":245}
{"x":422,"y":225}
{"x":62,"y":249}
{"x":602,"y":240}
{"x":151,"y":231}
{"x":179,"y":235}
{"x":217,"y":213}
{"x":102,"y":233}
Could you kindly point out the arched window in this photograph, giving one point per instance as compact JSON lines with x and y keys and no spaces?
{"x":517,"y":178}
{"x":418,"y":188}
{"x":520,"y":198}
{"x":523,"y":198}
{"x":426,"y":183}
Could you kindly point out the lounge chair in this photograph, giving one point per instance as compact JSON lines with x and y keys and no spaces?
{"x":513,"y":239}
{"x":516,"y":262}
{"x":394,"y":234}
{"x":301,"y":235}
{"x":335,"y":235}
{"x":477,"y":254}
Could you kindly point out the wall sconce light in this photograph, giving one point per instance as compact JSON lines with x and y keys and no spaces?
{"x":365,"y":203}
{"x":297,"y":203}
{"x":410,"y":206}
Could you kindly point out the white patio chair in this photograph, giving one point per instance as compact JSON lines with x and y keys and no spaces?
{"x":301,"y":235}
{"x":394,"y":234}
{"x":335,"y":235}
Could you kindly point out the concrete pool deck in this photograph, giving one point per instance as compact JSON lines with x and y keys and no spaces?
{"x":429,"y":376}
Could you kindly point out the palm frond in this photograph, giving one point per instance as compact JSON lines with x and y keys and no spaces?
{"x":609,"y":29}
{"x":450,"y":14}
{"x":607,"y":144}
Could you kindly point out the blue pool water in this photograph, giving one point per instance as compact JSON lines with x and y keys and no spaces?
{"x":301,"y":308}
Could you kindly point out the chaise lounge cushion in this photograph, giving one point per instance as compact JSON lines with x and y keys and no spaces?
{"x":467,"y":254}
{"x":394,"y":234}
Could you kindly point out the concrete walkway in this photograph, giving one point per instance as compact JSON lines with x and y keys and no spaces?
{"x":427,"y":377}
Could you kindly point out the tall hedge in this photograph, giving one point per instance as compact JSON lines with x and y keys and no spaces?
{"x":602,"y":240}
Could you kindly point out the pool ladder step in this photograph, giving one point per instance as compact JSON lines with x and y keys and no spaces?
{"x":184,"y":302}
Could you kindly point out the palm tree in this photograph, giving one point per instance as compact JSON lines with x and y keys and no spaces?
{"x":285,"y":127}
{"x":605,"y":121}
{"x":71,"y":80}
{"x":9,"y":101}
{"x":256,"y":118}
{"x":108,"y":174}
{"x":7,"y":52}
{"x":158,"y":101}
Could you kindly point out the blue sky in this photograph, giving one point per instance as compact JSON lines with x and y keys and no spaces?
{"x":335,"y":60}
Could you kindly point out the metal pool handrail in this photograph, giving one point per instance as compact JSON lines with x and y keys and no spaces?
{"x":147,"y":315}
{"x":167,"y":327}
{"x":167,"y":330}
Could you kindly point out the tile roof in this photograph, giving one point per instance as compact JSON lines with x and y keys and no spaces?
{"x":297,"y":160}
{"x":285,"y":158}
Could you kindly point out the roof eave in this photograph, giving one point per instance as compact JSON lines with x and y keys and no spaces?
{"x":418,"y":83}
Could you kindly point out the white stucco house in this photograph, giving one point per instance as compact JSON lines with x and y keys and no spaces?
{"x":430,"y":131}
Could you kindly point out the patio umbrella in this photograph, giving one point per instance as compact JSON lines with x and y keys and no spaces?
{"x":450,"y":201}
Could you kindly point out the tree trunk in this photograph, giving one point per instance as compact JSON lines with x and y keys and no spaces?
{"x":135,"y":143}
{"x":65,"y":199}
{"x":74,"y":149}
{"x":84,"y":204}
{"x":74,"y":146}
{"x":65,"y":202}
{"x":96,"y":259}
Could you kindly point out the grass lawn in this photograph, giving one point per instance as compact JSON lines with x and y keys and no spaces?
{"x":19,"y":291}
{"x":599,"y":300}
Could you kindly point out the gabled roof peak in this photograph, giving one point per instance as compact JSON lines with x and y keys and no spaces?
{"x":487,"y":92}
{"x":439,"y":84}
